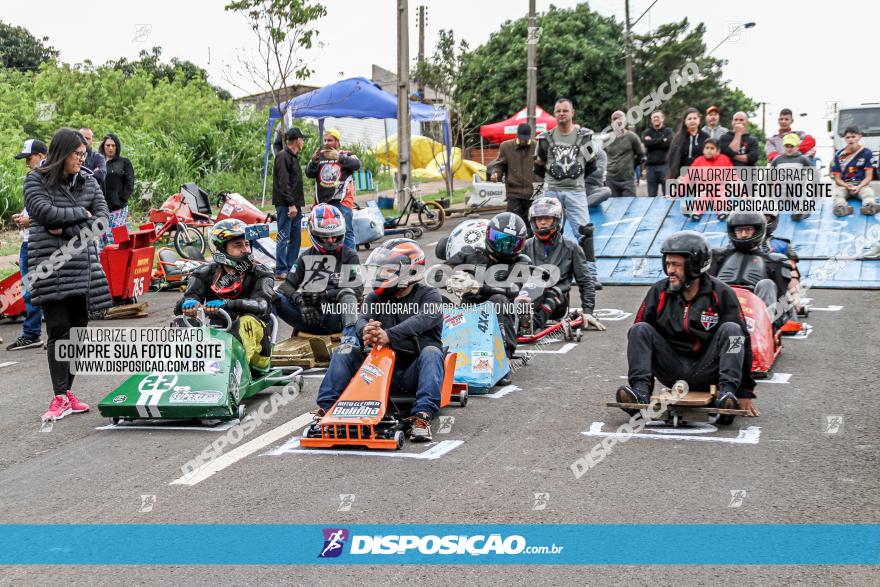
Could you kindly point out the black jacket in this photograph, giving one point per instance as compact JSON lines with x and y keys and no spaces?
{"x":570,"y":260}
{"x":413,"y":322}
{"x":689,"y":326}
{"x":657,"y":144}
{"x":326,"y":279}
{"x":118,"y":184}
{"x":256,"y":297}
{"x":65,"y":207}
{"x":682,"y":154}
{"x":287,"y":180}
{"x":512,"y":285}
{"x":748,"y":145}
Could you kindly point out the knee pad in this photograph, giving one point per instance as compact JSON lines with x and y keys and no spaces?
{"x":348,"y":300}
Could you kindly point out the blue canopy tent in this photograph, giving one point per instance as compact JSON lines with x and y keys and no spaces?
{"x":356,"y":97}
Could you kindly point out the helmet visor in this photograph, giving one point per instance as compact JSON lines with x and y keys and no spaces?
{"x":505,"y":244}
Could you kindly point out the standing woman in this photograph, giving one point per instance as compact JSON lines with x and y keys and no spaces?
{"x":119,"y":181}
{"x":66,"y":207}
{"x":687,"y":144}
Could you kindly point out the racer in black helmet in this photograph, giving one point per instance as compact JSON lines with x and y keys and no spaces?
{"x":691,"y":327}
{"x":234,"y":282}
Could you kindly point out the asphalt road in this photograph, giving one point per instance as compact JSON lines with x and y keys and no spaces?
{"x":513,"y":447}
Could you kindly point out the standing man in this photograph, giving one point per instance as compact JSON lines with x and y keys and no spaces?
{"x":775,"y":145}
{"x":332,"y":169}
{"x":625,"y":154}
{"x":516,"y":164}
{"x":289,"y":201}
{"x":564,"y":158}
{"x":34,"y":153}
{"x":94,"y":161}
{"x":712,"y":128}
{"x":738,"y":144}
{"x":657,"y":139}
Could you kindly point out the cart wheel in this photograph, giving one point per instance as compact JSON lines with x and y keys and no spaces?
{"x":725,"y":419}
{"x":432,"y":215}
{"x":242,"y":410}
{"x":410,"y":234}
{"x":419,"y":232}
{"x":115,"y":420}
{"x":579,"y":335}
{"x":187,"y":237}
{"x":400,"y":439}
{"x":463,"y":398}
{"x":366,"y":246}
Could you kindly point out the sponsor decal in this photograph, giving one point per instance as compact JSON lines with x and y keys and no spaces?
{"x":334,"y":541}
{"x":372,"y":370}
{"x":195,"y":397}
{"x":119,"y":399}
{"x":481,"y":362}
{"x":366,"y":378}
{"x":708,"y":319}
{"x":356,"y":409}
{"x":750,"y":323}
{"x":451,"y":321}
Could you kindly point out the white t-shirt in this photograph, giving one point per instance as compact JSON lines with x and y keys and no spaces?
{"x":24,"y":232}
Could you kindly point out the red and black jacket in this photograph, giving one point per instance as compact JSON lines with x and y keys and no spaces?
{"x":690,"y":326}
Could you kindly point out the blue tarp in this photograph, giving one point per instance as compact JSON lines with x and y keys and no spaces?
{"x":356,"y":97}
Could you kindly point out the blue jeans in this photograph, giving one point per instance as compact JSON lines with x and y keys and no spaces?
{"x":656,"y":179}
{"x":424,"y":375}
{"x":577,"y":214}
{"x":33,"y":322}
{"x":348,"y":214}
{"x":328,"y":323}
{"x":287,"y":245}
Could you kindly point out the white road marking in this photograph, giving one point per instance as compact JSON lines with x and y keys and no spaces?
{"x":432,"y":244}
{"x":500,"y":393}
{"x":611,"y":314}
{"x":749,"y":435}
{"x":777,"y":378}
{"x":126,"y":426}
{"x":828,"y":309}
{"x":561,"y":351}
{"x":435,"y":452}
{"x":248,"y":448}
{"x":8,"y":364}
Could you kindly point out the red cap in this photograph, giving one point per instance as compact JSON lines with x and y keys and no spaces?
{"x":712,"y":109}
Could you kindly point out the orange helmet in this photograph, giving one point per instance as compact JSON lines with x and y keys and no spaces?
{"x":397,"y":264}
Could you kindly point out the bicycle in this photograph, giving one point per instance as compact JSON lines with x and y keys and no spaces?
{"x":431,"y":214}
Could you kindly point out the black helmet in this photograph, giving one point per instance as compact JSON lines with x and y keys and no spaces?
{"x":772,"y":222}
{"x":740,"y":219}
{"x":506,"y":235}
{"x":695,"y":249}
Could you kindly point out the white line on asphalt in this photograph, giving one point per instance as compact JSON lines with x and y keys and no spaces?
{"x":222,"y":427}
{"x":777,"y":378}
{"x":828,"y":309}
{"x":748,"y":435}
{"x":561,"y":351}
{"x":500,"y":393}
{"x":432,"y":244}
{"x":435,"y":452}
{"x":242,"y":451}
{"x":8,"y":364}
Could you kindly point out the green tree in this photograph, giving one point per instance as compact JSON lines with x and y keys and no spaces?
{"x":177,"y":69}
{"x":19,"y":49}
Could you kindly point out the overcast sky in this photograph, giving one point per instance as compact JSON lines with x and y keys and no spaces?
{"x":797,"y":55}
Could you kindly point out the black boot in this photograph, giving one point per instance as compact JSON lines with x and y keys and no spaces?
{"x":589,"y":250}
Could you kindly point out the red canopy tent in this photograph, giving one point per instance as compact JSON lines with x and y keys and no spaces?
{"x":498,"y":132}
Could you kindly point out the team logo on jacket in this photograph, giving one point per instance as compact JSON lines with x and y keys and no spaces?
{"x":708,"y":319}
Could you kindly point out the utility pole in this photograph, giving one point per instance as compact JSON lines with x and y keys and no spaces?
{"x":532,"y":68}
{"x":629,"y":61}
{"x":422,"y":10}
{"x":403,"y":119}
{"x":764,"y":117}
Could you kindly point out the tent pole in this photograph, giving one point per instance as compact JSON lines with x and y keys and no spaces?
{"x":387,"y":148}
{"x":482,"y":155}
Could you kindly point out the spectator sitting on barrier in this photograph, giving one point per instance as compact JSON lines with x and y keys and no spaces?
{"x":853,"y":171}
{"x":712,"y":157}
{"x":774,"y":145}
{"x":793,"y":157}
{"x":657,"y":139}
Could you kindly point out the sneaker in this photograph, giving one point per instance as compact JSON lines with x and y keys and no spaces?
{"x":727,"y":401}
{"x":76,"y":406}
{"x":59,"y":408}
{"x":24,"y":342}
{"x":628,"y":395}
{"x":421,"y":428}
{"x":873,"y":252}
{"x":316,"y":416}
{"x":506,"y":380}
{"x":281,"y":277}
{"x":722,"y":217}
{"x":869,"y":208}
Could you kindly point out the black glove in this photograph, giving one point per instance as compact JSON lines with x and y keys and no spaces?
{"x":311,"y":298}
{"x":310,"y":315}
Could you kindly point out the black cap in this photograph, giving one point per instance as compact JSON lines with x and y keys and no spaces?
{"x":32,"y":147}
{"x":524,"y":131}
{"x":294,"y":133}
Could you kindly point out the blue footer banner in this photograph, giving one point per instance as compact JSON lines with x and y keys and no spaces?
{"x":590,"y":544}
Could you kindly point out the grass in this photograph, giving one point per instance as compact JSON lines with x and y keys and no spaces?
{"x":10,"y":242}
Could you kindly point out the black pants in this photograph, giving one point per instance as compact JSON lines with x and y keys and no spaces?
{"x":656,"y":178}
{"x":520,"y":207}
{"x":650,"y":355}
{"x":61,"y":316}
{"x":549,"y":306}
{"x":507,"y":322}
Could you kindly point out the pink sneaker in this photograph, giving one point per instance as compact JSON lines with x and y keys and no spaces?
{"x":76,"y":406}
{"x":59,"y":408}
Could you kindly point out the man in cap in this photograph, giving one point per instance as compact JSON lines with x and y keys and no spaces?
{"x":33,"y":151}
{"x":289,"y":201}
{"x":713,"y":128}
{"x":515,"y":165}
{"x":332,"y":169}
